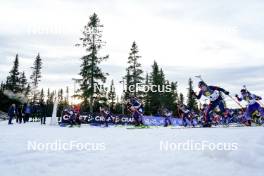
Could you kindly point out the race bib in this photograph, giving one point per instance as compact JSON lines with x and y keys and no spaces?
{"x":214,"y":96}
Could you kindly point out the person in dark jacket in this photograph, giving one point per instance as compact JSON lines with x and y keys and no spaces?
{"x":43,"y":113}
{"x":19,"y":114}
{"x":26,"y":112}
{"x":11,"y":113}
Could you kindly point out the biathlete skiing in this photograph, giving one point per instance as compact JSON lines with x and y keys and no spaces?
{"x":188,"y":116}
{"x":105,"y":112}
{"x":213,"y":93}
{"x":135,"y":107}
{"x":167,"y":115}
{"x":252,"y":106}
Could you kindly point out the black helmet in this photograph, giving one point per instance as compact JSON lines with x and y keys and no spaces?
{"x":243,"y":91}
{"x":201,"y":83}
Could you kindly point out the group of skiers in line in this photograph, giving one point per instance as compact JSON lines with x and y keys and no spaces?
{"x":216,"y":100}
{"x":22,"y":113}
{"x":214,"y":113}
{"x":208,"y":114}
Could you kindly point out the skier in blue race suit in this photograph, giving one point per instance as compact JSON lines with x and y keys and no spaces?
{"x":105,"y":112}
{"x":167,"y":114}
{"x":216,"y":100}
{"x":185,"y":114}
{"x":136,"y":108}
{"x":252,"y":106}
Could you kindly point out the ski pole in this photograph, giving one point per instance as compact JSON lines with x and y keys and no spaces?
{"x":260,"y":102}
{"x":236,"y":102}
{"x":199,"y":77}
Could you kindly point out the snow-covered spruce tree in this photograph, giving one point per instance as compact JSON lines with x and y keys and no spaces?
{"x":134,"y":69}
{"x":12,"y":81}
{"x":36,"y":78}
{"x":90,"y":71}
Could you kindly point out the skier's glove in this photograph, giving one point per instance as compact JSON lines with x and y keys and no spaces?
{"x":226,"y":92}
{"x":236,"y":96}
{"x":258,"y":98}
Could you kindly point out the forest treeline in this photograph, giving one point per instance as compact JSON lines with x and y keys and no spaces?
{"x":17,"y":88}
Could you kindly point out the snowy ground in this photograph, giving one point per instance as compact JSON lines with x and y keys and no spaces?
{"x":129,"y":152}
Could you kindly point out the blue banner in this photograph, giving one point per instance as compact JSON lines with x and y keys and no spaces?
{"x":97,"y":119}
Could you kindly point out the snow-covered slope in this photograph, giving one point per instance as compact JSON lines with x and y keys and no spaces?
{"x":129,"y":152}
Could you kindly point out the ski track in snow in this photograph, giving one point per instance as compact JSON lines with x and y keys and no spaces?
{"x":129,"y":152}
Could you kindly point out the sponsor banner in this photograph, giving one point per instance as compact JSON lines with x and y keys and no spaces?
{"x":97,"y":119}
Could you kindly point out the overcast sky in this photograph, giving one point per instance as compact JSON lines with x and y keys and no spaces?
{"x":222,"y":40}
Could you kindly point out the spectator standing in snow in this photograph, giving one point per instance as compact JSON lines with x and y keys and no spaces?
{"x":19,"y":114}
{"x":11,"y":113}
{"x":34,"y":112}
{"x":26,"y":112}
{"x":42,"y":114}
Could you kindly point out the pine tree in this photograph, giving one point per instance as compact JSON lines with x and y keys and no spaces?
{"x":157,"y":79}
{"x":147,"y":97}
{"x":12,"y":81}
{"x":112,"y":95}
{"x":42,"y":96}
{"x":27,"y":91}
{"x":60,"y":95}
{"x":191,"y":101}
{"x":48,"y":96}
{"x":134,"y":68}
{"x":23,"y":82}
{"x":2,"y":87}
{"x":181,"y":99}
{"x":49,"y":102}
{"x":67,"y":95}
{"x":36,"y":77}
{"x":61,"y":102}
{"x":170,"y":99}
{"x":90,"y":70}
{"x":128,"y":83}
{"x":162,"y":83}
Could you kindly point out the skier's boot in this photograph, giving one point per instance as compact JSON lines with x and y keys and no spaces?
{"x":207,"y":125}
{"x":248,"y":123}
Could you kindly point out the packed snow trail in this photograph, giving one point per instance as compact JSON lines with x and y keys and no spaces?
{"x":129,"y":152}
